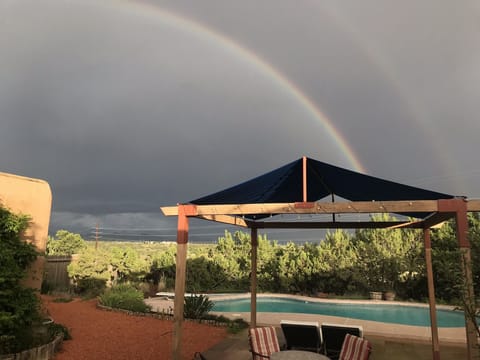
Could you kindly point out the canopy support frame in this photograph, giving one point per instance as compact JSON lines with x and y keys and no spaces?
{"x":442,"y":209}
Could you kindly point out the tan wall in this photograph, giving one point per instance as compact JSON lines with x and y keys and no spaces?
{"x":31,"y":197}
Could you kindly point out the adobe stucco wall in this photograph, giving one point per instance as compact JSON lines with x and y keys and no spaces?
{"x":31,"y":197}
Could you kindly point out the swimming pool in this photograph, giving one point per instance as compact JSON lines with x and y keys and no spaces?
{"x":397,"y":314}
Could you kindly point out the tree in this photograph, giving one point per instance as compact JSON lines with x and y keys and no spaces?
{"x":65,"y":243}
{"x":126,"y":264}
{"x":446,"y":259}
{"x":19,"y":307}
{"x":386,"y":254}
{"x":90,"y":264}
{"x":232,"y":255}
{"x":338,"y":259}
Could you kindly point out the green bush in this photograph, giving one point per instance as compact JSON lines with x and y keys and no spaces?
{"x":237,"y":325}
{"x":54,"y":329}
{"x":19,"y":306}
{"x":197,"y":306}
{"x":65,"y":243}
{"x":46,"y":287}
{"x":90,"y":287}
{"x":124,"y":296}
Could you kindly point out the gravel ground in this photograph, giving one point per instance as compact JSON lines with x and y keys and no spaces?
{"x":99,"y":334}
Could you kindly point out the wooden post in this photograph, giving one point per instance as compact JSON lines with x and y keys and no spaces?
{"x":253,"y":280}
{"x":96,"y":237}
{"x":304,"y":177}
{"x":472,"y":350}
{"x":468,"y":292}
{"x":458,"y":207}
{"x":182,"y":240}
{"x":431,"y":295}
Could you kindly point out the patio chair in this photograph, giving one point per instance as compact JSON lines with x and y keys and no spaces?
{"x":334,"y":335}
{"x":355,"y":348}
{"x":263,"y":342}
{"x":302,"y":335}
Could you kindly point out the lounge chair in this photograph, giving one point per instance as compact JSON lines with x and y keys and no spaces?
{"x":334,"y":335}
{"x":355,"y":348}
{"x":263,"y":342}
{"x":302,"y":335}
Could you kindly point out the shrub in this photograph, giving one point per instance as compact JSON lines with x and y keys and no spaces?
{"x":124,"y":296}
{"x":19,"y":306}
{"x":65,"y":243}
{"x":237,"y":325}
{"x":197,"y":306}
{"x":90,"y":287}
{"x":46,"y":287}
{"x":54,"y":329}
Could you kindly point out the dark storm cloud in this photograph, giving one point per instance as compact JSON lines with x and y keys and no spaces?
{"x":123,"y":112}
{"x":380,"y":71}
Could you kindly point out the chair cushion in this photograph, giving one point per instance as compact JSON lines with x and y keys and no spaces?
{"x":355,"y":348}
{"x":263,"y":341}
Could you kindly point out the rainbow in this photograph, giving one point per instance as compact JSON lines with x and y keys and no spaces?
{"x":415,"y":109}
{"x":205,"y":33}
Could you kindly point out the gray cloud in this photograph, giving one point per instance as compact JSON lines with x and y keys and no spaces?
{"x":122,"y":111}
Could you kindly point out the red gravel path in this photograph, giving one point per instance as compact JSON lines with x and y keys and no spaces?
{"x":99,"y":334}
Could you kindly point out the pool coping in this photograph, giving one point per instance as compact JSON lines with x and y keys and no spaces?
{"x":453,"y":335}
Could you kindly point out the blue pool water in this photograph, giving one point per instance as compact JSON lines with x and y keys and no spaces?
{"x":397,"y":314}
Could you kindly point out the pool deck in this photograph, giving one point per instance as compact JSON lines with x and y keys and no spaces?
{"x":370,"y":328}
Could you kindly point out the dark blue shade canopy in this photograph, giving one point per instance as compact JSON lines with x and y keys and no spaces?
{"x":285,"y":185}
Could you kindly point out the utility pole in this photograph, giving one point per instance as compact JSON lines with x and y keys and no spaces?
{"x":96,"y":237}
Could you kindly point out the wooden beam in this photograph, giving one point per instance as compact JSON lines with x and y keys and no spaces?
{"x":337,"y":225}
{"x":225,"y":219}
{"x":317,"y":208}
{"x":180,"y":275}
{"x":169,"y":210}
{"x":304,"y":178}
{"x":473,"y":205}
{"x":431,"y":294}
{"x":436,"y":218}
{"x":253,"y":279}
{"x":467,"y":286}
{"x":321,"y":208}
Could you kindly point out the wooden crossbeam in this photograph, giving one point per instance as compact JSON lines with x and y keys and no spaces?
{"x":436,"y":219}
{"x":473,"y":205}
{"x":337,"y":225}
{"x":225,"y":219}
{"x":354,"y":207}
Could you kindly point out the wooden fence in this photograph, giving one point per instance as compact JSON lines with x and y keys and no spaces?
{"x":56,"y":274}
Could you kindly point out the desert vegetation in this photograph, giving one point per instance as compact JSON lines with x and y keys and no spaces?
{"x":342,"y":264}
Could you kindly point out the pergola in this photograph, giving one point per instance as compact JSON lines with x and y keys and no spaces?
{"x":308,"y":186}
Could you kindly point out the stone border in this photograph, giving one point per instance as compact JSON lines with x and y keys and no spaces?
{"x":157,"y":315}
{"x":44,"y":352}
{"x":161,"y":316}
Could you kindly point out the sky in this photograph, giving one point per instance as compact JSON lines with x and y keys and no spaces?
{"x":127,"y":106}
